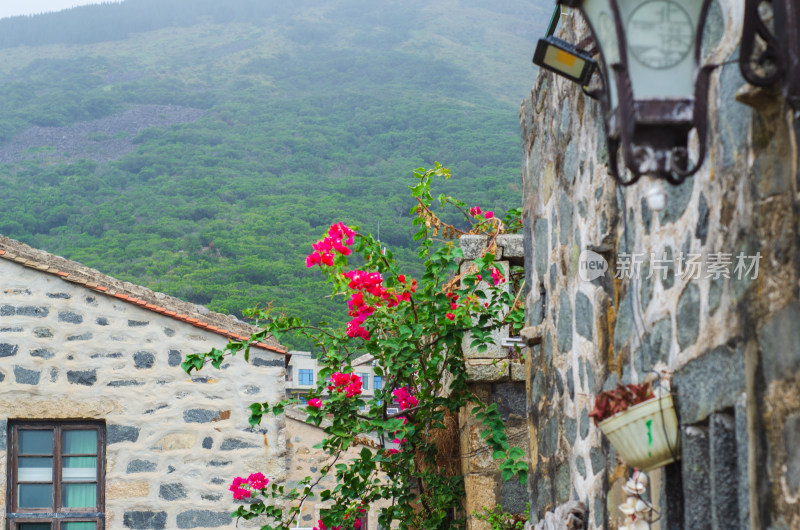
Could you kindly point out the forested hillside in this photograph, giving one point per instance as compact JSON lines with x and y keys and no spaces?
{"x":198,"y":147}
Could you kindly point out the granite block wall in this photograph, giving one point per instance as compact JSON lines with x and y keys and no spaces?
{"x":495,"y":375}
{"x":174,"y":442}
{"x":728,"y":335}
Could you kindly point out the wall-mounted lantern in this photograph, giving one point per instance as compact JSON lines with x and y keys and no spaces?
{"x":654,"y":89}
{"x":770,"y":49}
{"x":563,"y":58}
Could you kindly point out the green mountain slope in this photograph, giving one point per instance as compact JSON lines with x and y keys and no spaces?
{"x":199,"y":149}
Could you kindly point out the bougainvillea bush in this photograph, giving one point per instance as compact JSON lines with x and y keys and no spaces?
{"x":415,"y":329}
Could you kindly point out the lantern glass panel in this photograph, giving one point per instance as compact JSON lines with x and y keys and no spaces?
{"x":601,"y":19}
{"x":660,"y":44}
{"x":564,"y":62}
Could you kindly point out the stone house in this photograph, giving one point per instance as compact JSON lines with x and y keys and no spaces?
{"x":99,"y":425}
{"x":730,"y":337}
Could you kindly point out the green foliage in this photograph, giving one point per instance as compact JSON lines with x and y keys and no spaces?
{"x":414,"y":331}
{"x":295,"y":133}
{"x":499,"y":520}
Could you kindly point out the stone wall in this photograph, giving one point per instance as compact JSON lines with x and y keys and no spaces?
{"x":496,"y":375}
{"x":732,"y":342}
{"x":174,"y":442}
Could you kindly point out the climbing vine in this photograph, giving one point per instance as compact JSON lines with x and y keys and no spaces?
{"x":414,"y":330}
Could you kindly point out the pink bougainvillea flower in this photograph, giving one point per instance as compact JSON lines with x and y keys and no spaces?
{"x":488,"y":215}
{"x":497,"y":276}
{"x":240,"y":490}
{"x":450,"y":316}
{"x":392,"y":451}
{"x":315,"y":403}
{"x":405,"y":398}
{"x":350,"y":384}
{"x":334,"y":242}
{"x":479,"y":277}
{"x":475,"y":210}
{"x":401,"y":278}
{"x":258,"y":481}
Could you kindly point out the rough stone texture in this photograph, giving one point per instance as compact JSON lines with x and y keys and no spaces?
{"x":143,"y":359}
{"x":512,"y":245}
{"x":688,"y":316}
{"x":172,"y":491}
{"x":202,"y":519}
{"x":145,"y":520}
{"x":742,"y":456}
{"x":778,"y":340}
{"x":695,"y":473}
{"x":709,"y":383}
{"x":723,"y":470}
{"x":791,"y":434}
{"x":8,"y":350}
{"x":200,"y":415}
{"x":23,"y":376}
{"x":82,"y":377}
{"x":564,"y":338}
{"x":230,"y":444}
{"x":140,"y":466}
{"x":121,"y":433}
{"x":488,"y":370}
{"x":175,"y":358}
{"x":70,"y":317}
{"x":584,"y":316}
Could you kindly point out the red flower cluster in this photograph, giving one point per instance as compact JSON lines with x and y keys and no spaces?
{"x":405,"y":398}
{"x":334,"y":241}
{"x":315,"y":402}
{"x":350,"y":384}
{"x":371,"y":283}
{"x":243,"y":488}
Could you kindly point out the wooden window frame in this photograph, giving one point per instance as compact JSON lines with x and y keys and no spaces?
{"x":56,"y":515}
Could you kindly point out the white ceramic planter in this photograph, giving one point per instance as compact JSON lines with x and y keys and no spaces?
{"x":638,"y":433}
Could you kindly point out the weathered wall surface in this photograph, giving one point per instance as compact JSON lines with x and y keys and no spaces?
{"x":731,"y":340}
{"x":174,"y":442}
{"x":496,"y":375}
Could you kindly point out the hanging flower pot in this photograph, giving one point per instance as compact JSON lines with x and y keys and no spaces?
{"x":641,"y":426}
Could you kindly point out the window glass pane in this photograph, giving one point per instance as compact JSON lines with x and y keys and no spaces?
{"x":79,"y":468}
{"x":34,"y":526}
{"x":35,"y":495}
{"x":305,"y":377}
{"x":79,"y":495}
{"x":79,"y":525}
{"x":33,"y":469}
{"x":79,"y":442}
{"x":378,"y":382}
{"x":35,"y":442}
{"x":364,"y":380}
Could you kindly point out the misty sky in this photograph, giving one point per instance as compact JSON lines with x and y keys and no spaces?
{"x":9,"y":8}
